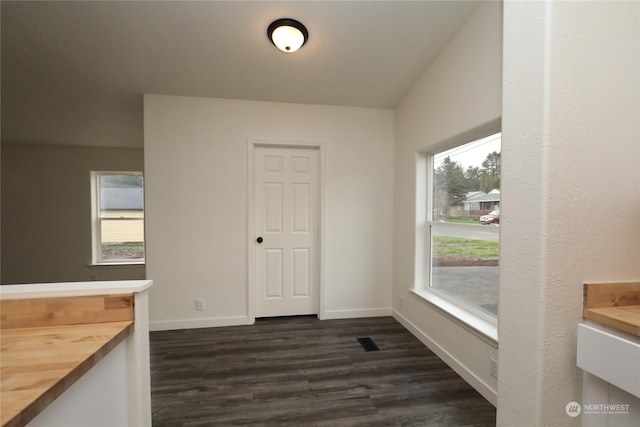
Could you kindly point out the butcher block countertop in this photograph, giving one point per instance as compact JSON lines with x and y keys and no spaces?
{"x":49,"y":343}
{"x":614,"y":304}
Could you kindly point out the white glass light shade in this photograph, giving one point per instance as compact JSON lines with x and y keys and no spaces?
{"x":287,"y":34}
{"x":287,"y":39}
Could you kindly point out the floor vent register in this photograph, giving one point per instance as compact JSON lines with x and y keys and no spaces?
{"x":368,"y":344}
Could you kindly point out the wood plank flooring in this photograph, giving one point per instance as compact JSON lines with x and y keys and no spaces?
{"x":300,"y":371}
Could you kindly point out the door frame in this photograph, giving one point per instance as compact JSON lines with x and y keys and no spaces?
{"x":251,"y":227}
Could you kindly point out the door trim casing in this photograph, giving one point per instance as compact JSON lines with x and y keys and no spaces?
{"x":251,"y":277}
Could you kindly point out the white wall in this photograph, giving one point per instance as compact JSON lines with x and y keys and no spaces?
{"x":99,"y":398}
{"x":196,"y":203}
{"x":460,"y":92}
{"x":571,"y":190}
{"x":46,"y":212}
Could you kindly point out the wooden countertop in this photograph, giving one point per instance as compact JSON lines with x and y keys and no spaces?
{"x":626,"y":319}
{"x":47,"y":344}
{"x":39,"y":364}
{"x":614,"y":304}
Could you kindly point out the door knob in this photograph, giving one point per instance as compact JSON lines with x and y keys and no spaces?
{"x":259,"y":239}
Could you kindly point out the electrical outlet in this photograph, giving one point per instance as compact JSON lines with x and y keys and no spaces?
{"x":493,"y":367}
{"x":199,"y":304}
{"x":401,"y":302}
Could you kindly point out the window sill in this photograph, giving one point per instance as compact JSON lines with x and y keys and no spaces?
{"x":117,"y":264}
{"x":480,"y":327}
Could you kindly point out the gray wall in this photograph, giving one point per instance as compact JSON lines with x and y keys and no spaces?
{"x":46,"y":212}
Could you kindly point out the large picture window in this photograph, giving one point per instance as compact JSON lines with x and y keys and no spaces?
{"x":463,"y":225}
{"x":118,"y":217}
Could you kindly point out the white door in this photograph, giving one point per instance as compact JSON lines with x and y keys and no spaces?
{"x":287,"y":204}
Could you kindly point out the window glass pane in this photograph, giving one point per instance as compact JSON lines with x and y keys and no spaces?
{"x":465,"y":264}
{"x":466,"y":181}
{"x":465,"y":218}
{"x":120,"y":193}
{"x":121,"y":217}
{"x":122,"y":239}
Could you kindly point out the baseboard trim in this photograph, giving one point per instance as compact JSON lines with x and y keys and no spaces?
{"x":356,"y":313}
{"x":213,"y":322}
{"x":476,"y":382}
{"x":210,"y":322}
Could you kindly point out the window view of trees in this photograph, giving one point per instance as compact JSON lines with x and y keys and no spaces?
{"x":490,"y":173}
{"x":455,"y":187}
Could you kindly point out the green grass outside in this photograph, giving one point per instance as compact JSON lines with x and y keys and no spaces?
{"x":463,"y":220}
{"x":123,"y":251}
{"x":467,"y":248}
{"x":127,"y":245}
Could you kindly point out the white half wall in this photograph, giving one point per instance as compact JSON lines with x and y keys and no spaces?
{"x":570,"y":192}
{"x":460,"y":92}
{"x":196,"y":160}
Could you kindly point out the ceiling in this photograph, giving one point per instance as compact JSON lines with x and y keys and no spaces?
{"x":74,"y":72}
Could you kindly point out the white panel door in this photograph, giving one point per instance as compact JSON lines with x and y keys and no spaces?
{"x":287,"y":204}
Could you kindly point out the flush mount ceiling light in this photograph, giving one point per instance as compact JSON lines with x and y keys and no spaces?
{"x":287,"y":34}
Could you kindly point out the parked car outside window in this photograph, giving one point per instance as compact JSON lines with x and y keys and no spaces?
{"x":492,"y":217}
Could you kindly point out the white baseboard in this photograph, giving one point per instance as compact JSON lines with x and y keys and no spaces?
{"x":210,"y":322}
{"x":476,"y":382}
{"x":360,"y":312}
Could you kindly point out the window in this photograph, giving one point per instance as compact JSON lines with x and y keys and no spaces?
{"x":118,"y":217}
{"x":460,"y":228}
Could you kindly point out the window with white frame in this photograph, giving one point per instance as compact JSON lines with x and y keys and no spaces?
{"x":462,"y":225}
{"x":117,"y":217}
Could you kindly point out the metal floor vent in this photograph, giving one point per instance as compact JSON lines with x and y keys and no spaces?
{"x":368,"y":344}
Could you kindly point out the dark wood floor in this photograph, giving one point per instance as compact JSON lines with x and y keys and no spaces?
{"x":301,"y":371}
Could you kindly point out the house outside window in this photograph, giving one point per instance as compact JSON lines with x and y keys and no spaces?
{"x":463,"y":225}
{"x":117,"y":217}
